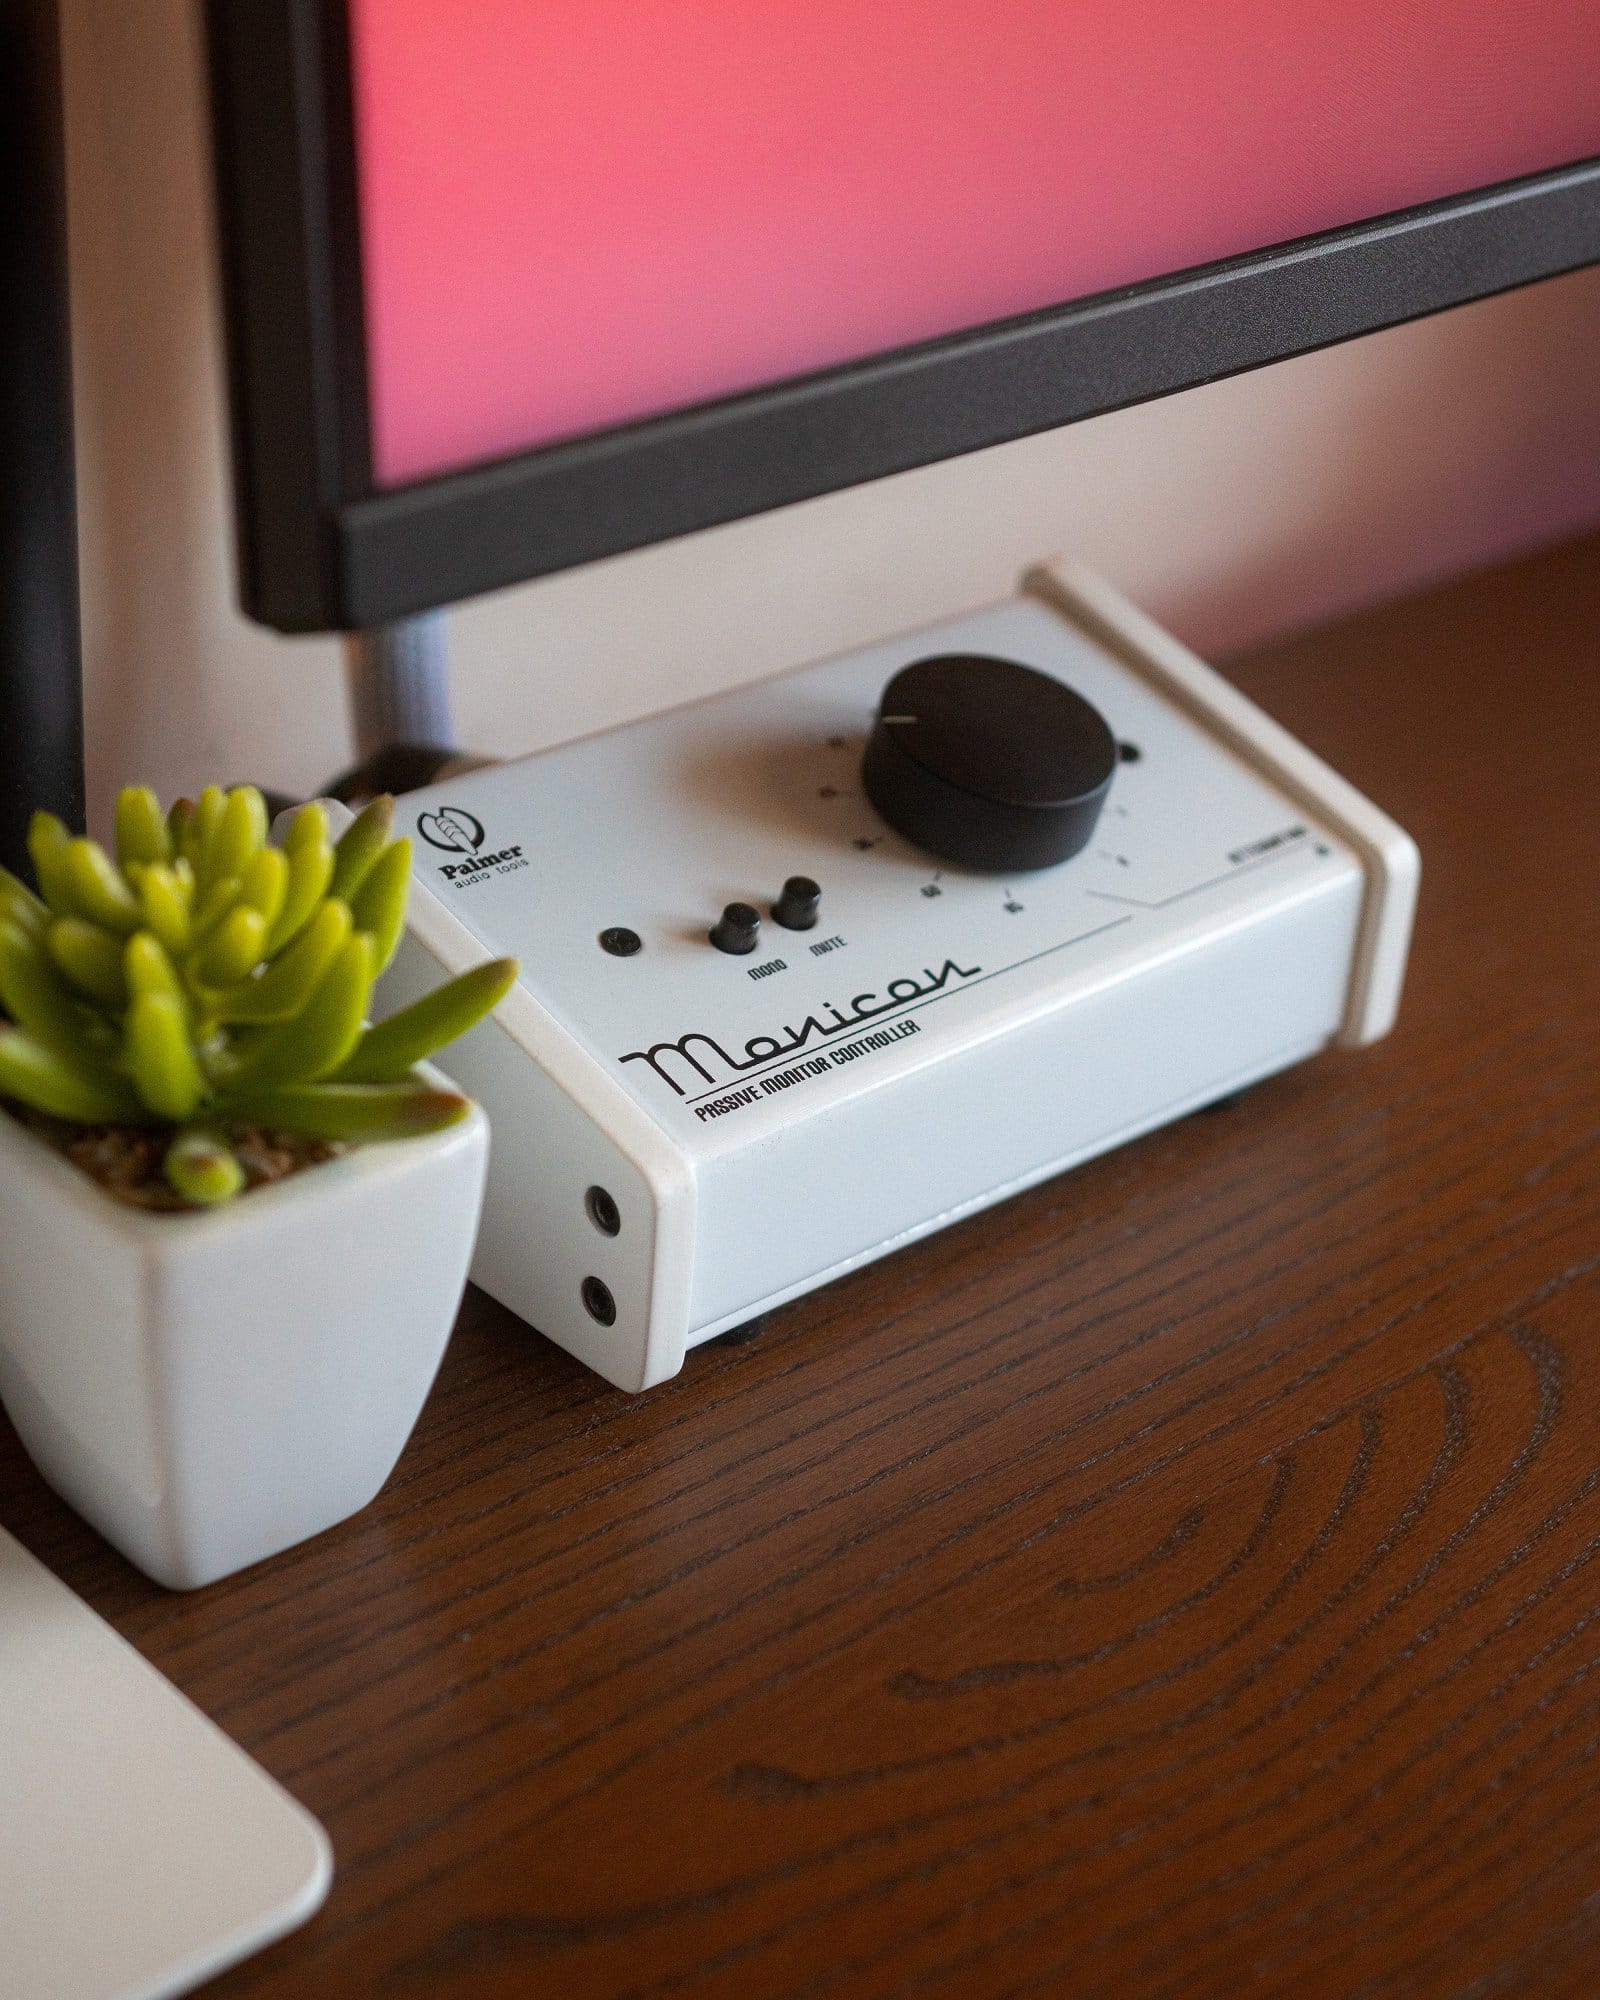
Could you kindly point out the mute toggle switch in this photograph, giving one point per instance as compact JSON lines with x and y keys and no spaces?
{"x":737,"y":930}
{"x":796,"y":909}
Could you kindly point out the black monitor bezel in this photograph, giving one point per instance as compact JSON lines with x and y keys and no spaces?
{"x":322,"y":548}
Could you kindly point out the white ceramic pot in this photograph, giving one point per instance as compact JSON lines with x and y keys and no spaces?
{"x":210,"y":1388}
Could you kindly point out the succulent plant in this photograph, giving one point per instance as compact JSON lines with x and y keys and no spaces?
{"x":207,"y":980}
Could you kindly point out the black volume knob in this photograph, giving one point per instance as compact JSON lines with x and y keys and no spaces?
{"x":738,"y":929}
{"x":988,"y":763}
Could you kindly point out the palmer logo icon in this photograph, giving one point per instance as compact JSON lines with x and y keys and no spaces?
{"x":457,"y":832}
{"x":450,"y":828}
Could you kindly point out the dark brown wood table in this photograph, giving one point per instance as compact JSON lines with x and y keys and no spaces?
{"x":1181,"y":1580}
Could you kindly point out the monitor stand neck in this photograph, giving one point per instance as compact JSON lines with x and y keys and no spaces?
{"x":399,"y":678}
{"x":41,"y":695}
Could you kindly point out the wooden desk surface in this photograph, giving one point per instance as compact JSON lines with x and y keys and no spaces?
{"x":1178,"y":1581}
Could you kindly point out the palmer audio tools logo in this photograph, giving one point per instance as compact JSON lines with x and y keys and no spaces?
{"x":453,"y":830}
{"x":450,"y":828}
{"x":698,"y":1068}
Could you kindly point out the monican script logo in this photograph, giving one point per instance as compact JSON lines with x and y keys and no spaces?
{"x":698,"y":1060}
{"x":450,"y":828}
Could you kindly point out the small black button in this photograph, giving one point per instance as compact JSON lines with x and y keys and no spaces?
{"x":738,"y":930}
{"x":620,"y":941}
{"x":796,"y":908}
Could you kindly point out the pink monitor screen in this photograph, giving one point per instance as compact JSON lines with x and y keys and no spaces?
{"x":579,"y":213}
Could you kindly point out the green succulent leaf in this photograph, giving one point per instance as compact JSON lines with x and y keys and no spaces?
{"x":40,"y":1002}
{"x":362,"y":841}
{"x":238,"y":835}
{"x":38,"y":1076}
{"x":203,"y":1169}
{"x":166,"y":900}
{"x":212,"y":904}
{"x":142,"y":834}
{"x":233,"y":950}
{"x":288,"y":982}
{"x":355,"y":1111}
{"x":19,"y":905}
{"x":179,"y":814}
{"x":310,"y":874}
{"x":48,"y":841}
{"x":98,"y":888}
{"x":201,"y":828}
{"x":90,"y":957}
{"x":265,"y":883}
{"x":380,"y":903}
{"x":320,"y":1037}
{"x":391,"y":1048}
{"x":160,"y":1058}
{"x":308,"y":827}
{"x":147,"y":966}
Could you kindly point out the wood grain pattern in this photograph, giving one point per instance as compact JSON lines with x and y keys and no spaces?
{"x":1181,"y":1581}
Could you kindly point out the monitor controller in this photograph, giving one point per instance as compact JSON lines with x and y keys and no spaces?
{"x":813,"y":968}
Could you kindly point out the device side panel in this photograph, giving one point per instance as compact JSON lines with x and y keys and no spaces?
{"x":545,"y":1248}
{"x":1388,"y":854}
{"x":558,"y":1181}
{"x":831,"y":1192}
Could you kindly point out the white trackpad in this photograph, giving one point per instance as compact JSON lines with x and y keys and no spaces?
{"x":140,"y":1850}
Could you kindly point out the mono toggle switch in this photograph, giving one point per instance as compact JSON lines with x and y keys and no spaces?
{"x":988,"y":763}
{"x":737,"y":930}
{"x":796,"y":909}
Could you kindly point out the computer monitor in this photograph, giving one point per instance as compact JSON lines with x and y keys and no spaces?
{"x":41,"y":703}
{"x":514,"y":284}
